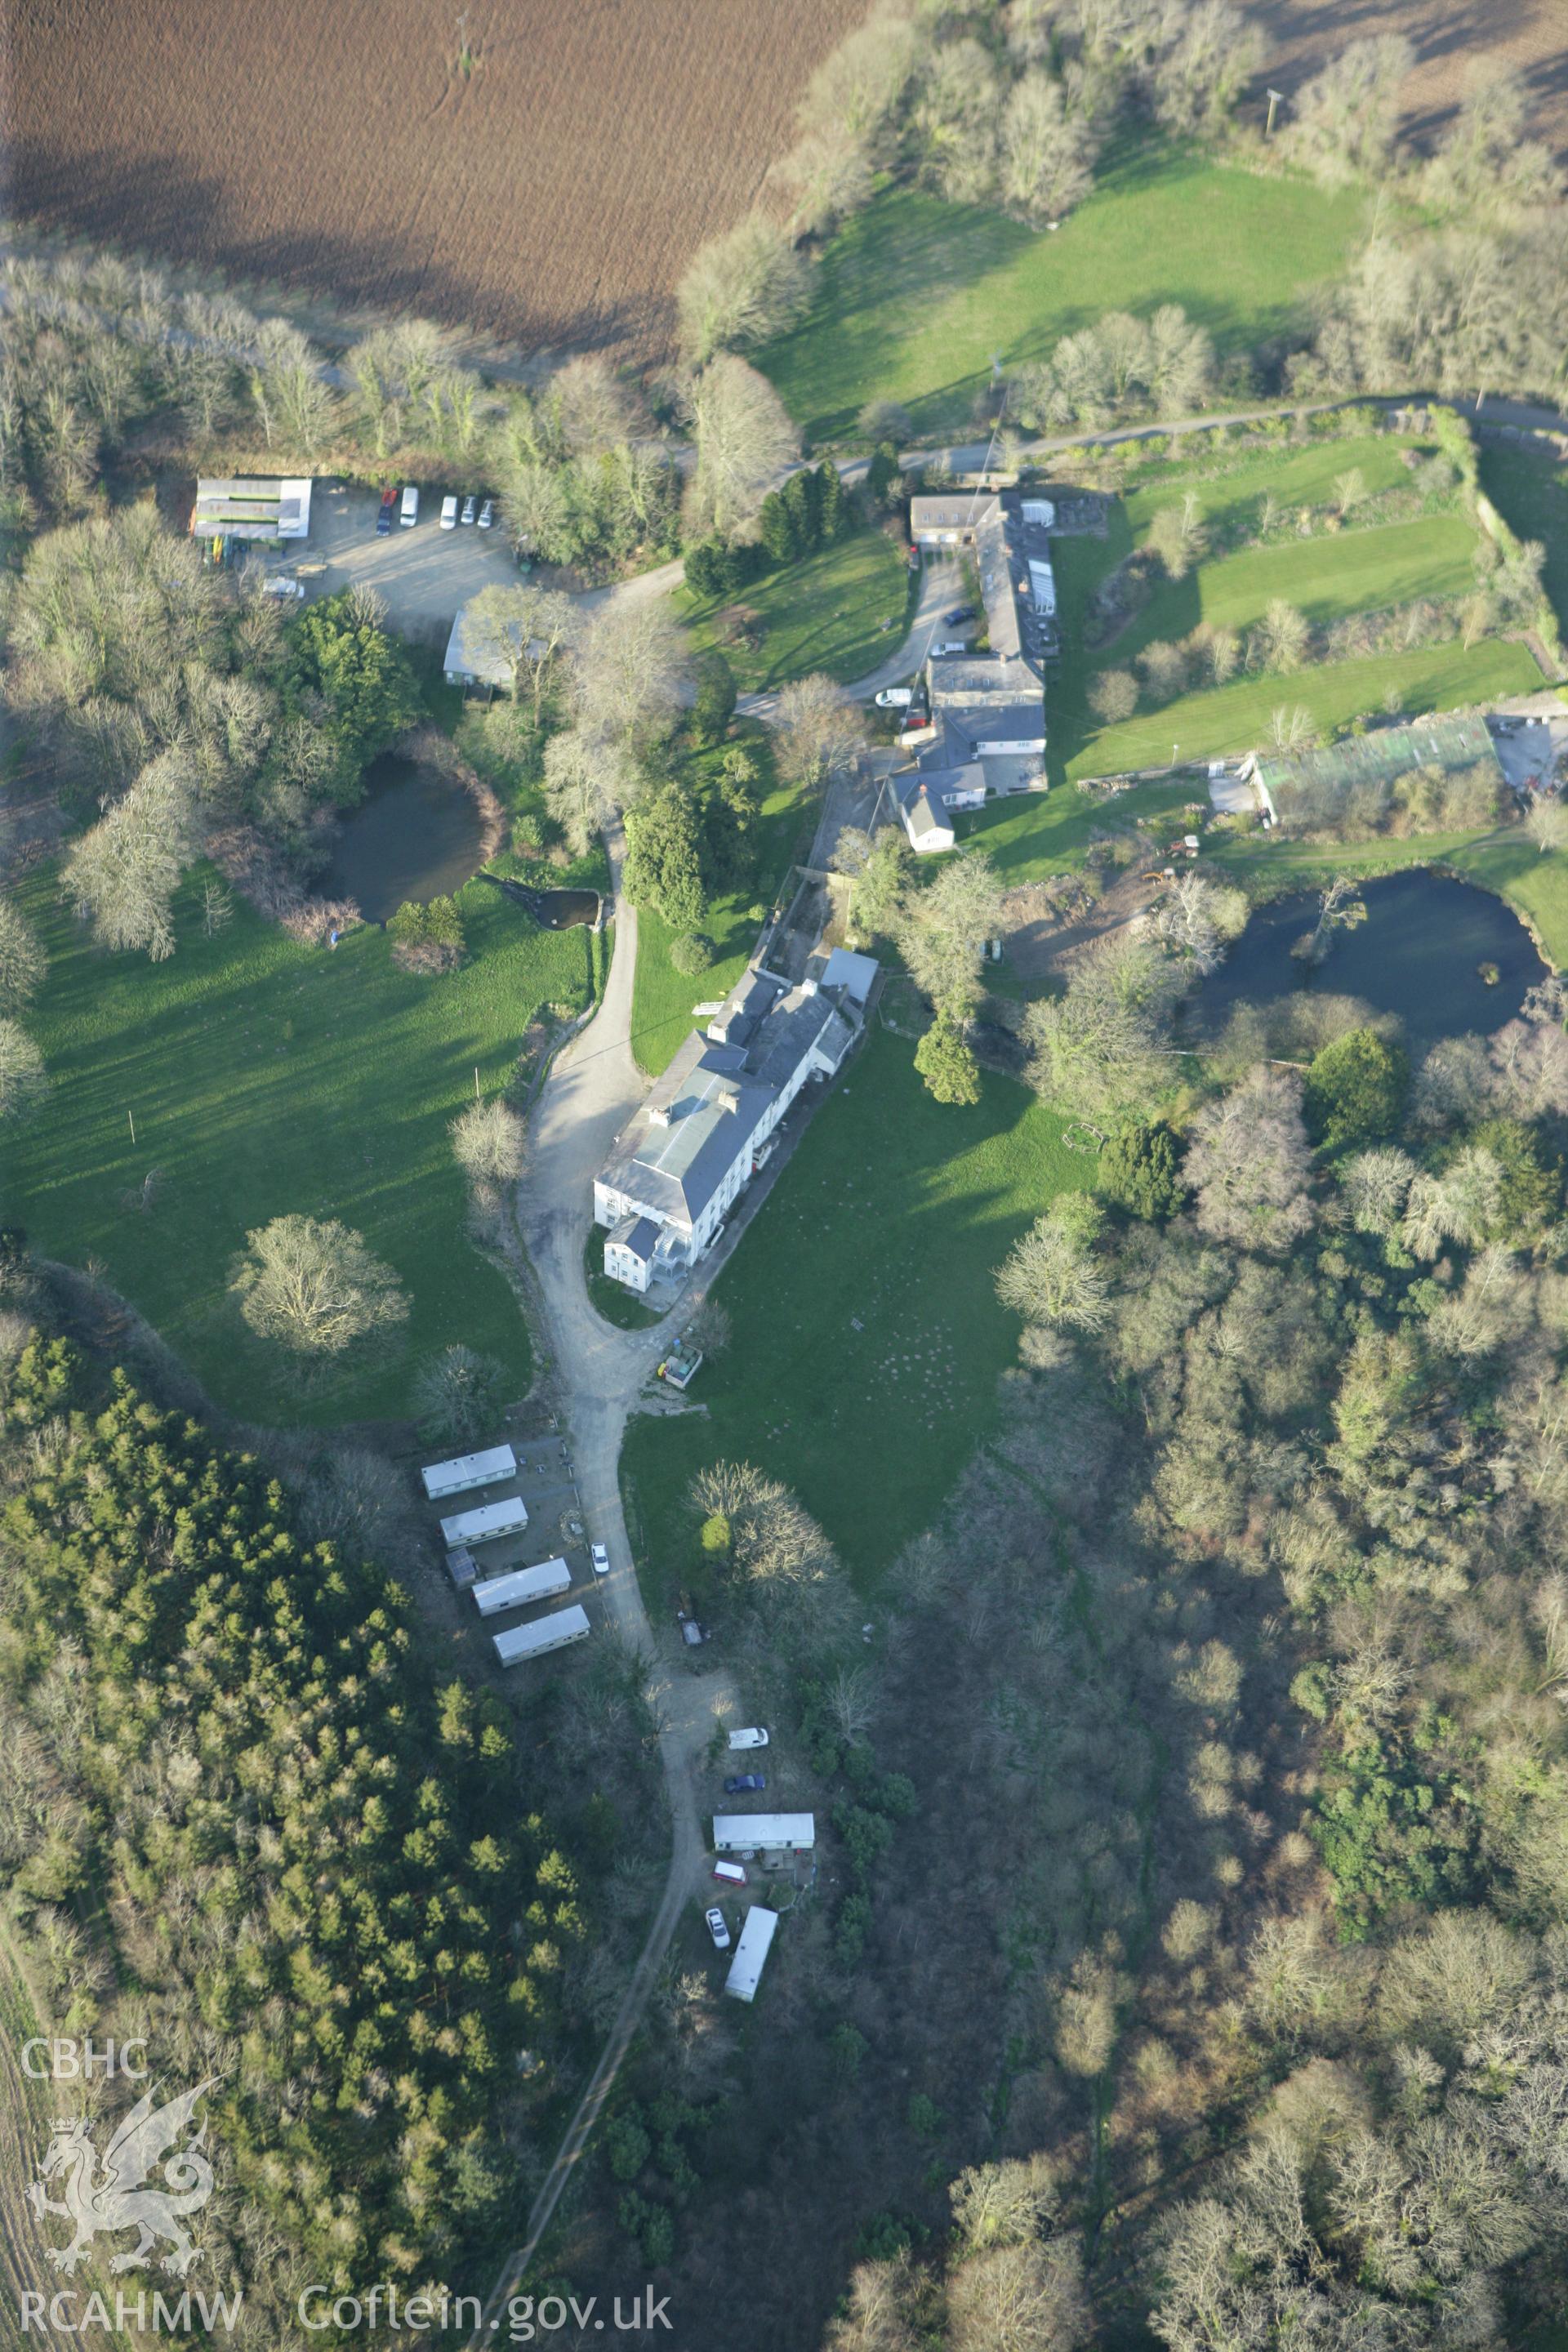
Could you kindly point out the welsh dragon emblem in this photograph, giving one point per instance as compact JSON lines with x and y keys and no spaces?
{"x":102,"y":2202}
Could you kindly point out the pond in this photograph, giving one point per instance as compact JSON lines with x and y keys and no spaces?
{"x":417,"y":835}
{"x":1419,"y":954}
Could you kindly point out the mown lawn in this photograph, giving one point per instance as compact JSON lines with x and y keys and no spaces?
{"x":1304,"y":477}
{"x":662,"y":998}
{"x":1529,"y":489}
{"x":867,"y":1339}
{"x":1325,"y":578}
{"x":917,"y":297}
{"x":265,"y":1078}
{"x":841,"y":611}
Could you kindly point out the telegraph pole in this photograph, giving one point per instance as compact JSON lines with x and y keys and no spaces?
{"x":1275,"y":98}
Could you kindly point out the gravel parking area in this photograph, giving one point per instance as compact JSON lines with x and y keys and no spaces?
{"x":423,"y":575}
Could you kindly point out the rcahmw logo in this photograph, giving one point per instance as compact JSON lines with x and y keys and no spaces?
{"x":149,"y":2177}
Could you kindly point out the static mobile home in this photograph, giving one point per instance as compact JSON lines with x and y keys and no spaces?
{"x":492,"y":1468}
{"x":545,"y":1634}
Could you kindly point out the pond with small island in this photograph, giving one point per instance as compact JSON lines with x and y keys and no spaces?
{"x":1446,"y":957}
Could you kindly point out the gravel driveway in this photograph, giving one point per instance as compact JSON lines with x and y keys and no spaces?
{"x":423,"y":575}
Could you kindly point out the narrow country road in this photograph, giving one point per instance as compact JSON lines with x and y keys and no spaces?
{"x":600,"y":1374}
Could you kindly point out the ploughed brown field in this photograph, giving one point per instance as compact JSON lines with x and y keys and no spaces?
{"x":1457,"y":42}
{"x":555,"y":194}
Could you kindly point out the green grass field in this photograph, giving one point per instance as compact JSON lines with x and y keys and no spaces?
{"x":1304,"y":477}
{"x":867,"y":1339}
{"x":1530,"y":491}
{"x":916,"y":296}
{"x":662,"y":998}
{"x":841,"y":611}
{"x":266,"y":1077}
{"x":1353,"y":572}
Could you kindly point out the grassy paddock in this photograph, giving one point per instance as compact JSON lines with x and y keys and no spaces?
{"x":266,"y":1077}
{"x":892,"y":1216}
{"x":841,"y":611}
{"x":915,"y":296}
{"x":1529,"y":489}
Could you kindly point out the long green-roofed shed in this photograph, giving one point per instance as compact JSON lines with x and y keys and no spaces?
{"x":1452,"y":744}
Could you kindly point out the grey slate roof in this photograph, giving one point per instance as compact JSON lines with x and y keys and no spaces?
{"x":679,"y":1148}
{"x":961,"y":679}
{"x":637,"y":1235}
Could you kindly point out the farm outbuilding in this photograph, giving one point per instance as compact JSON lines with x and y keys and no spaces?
{"x":251,"y":510}
{"x":1363,"y":769}
{"x":479,"y":654}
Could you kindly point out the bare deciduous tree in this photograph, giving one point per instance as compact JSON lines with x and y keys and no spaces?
{"x":23,"y":962}
{"x":488,"y":1141}
{"x":1052,"y":1276}
{"x":822,"y":732}
{"x":744,"y":439}
{"x":1250,"y":1164}
{"x":586,"y":785}
{"x":1347,"y":116}
{"x":124,"y":873}
{"x":742,"y":288}
{"x":630,"y":662}
{"x":314,"y":1287}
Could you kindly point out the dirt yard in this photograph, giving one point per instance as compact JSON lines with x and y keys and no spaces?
{"x":553,"y":193}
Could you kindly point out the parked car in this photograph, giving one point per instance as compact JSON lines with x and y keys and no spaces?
{"x":384,"y":519}
{"x":895,"y":698}
{"x":469,"y":508}
{"x":449,"y":512}
{"x":690,"y":1631}
{"x":752,"y":1738}
{"x":488,"y":514}
{"x":960,"y":612}
{"x":600,"y":1558}
{"x":717,"y":1929}
{"x":745,"y":1784}
{"x":408,"y":514}
{"x":950,"y":645}
{"x":282,"y":584}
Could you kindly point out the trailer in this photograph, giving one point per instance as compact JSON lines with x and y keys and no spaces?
{"x":522,"y":1585}
{"x":544,"y":1634}
{"x":487,"y":1522}
{"x":746,"y":1967}
{"x":749,"y":1833}
{"x":492,"y":1468}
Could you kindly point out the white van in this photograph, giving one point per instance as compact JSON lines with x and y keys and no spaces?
{"x":751,"y":1739}
{"x":449,"y":513}
{"x":731,"y":1874}
{"x":409,"y":513}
